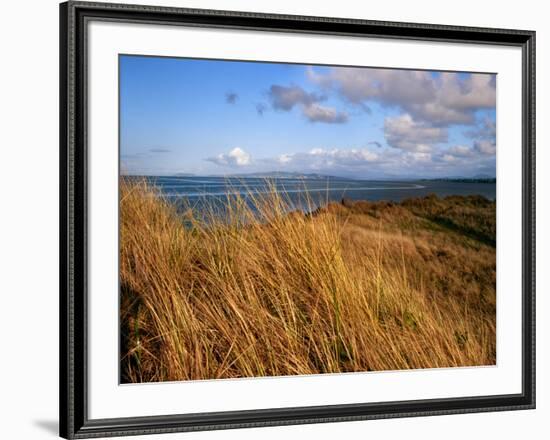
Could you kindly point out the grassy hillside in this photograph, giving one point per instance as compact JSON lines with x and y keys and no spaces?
{"x":354,"y":286}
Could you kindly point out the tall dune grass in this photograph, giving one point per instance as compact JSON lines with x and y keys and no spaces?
{"x":263,"y":292}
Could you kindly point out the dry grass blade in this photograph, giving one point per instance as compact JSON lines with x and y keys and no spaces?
{"x":261,"y":291}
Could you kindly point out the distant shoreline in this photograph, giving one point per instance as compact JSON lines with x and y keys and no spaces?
{"x":462,"y":180}
{"x":305,"y":176}
{"x":200,"y":187}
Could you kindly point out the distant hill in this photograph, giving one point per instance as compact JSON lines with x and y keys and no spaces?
{"x":480,"y":179}
{"x":285,"y":175}
{"x":483,"y":176}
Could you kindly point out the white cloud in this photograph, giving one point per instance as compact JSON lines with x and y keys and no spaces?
{"x":321,"y":158}
{"x":461,"y":151}
{"x":486,"y":129}
{"x":449,"y":158}
{"x":346,"y":156}
{"x":467,"y":160}
{"x":474,"y":91}
{"x":285,"y":158}
{"x":484,"y":135}
{"x":286,"y":98}
{"x":487,"y":147}
{"x":459,"y":160}
{"x":236,"y":157}
{"x":319,"y":113}
{"x":448,"y":98}
{"x":406,"y":134}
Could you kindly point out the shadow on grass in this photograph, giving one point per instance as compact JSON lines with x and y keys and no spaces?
{"x":470,"y":233}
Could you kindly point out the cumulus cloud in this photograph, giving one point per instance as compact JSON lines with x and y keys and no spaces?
{"x":440,"y":161}
{"x":406,"y":134}
{"x":487,"y":147}
{"x":465,"y":160}
{"x":486,"y":129}
{"x":286,"y":98}
{"x":484,"y":135}
{"x":237,"y":157}
{"x":319,"y":113}
{"x":231,"y":97}
{"x":443,"y":99}
{"x":331,"y":160}
{"x":460,"y":151}
{"x":285,"y":158}
{"x":348,"y":156}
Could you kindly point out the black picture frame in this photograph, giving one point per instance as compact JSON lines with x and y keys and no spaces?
{"x":74,"y":420}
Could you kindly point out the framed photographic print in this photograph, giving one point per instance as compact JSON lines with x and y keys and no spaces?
{"x":272,"y":219}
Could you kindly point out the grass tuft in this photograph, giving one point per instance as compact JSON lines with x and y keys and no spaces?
{"x":353,"y":286}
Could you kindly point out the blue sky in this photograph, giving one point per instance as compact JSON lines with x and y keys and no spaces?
{"x":228,"y":117}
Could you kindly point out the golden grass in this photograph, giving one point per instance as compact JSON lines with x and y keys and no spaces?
{"x":356,"y":286}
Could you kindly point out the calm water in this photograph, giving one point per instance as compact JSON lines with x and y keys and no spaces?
{"x":320,"y":190}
